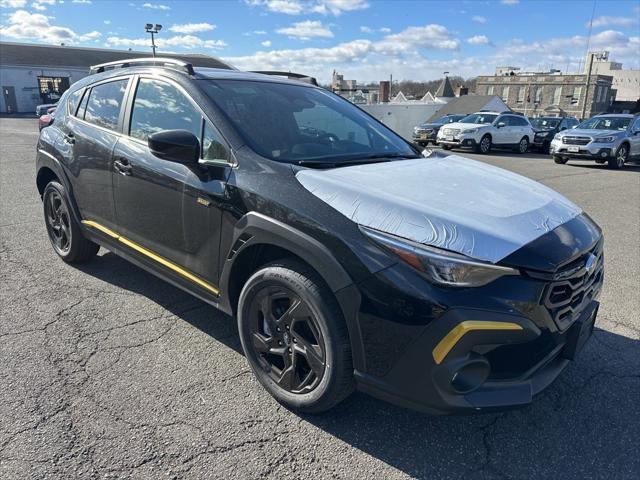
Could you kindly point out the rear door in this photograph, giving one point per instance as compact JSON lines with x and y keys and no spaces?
{"x":91,"y":132}
{"x":170,"y":209}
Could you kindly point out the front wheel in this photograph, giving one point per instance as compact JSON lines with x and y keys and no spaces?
{"x":295,"y":338}
{"x":485,"y":145}
{"x":446,"y":147}
{"x":64,"y":232}
{"x":560,"y":159}
{"x":620,"y":158}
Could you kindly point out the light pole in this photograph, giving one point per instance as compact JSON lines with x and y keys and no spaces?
{"x":153,"y":28}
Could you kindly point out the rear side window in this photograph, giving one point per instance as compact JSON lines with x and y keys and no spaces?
{"x":104,"y":103}
{"x":161,"y":106}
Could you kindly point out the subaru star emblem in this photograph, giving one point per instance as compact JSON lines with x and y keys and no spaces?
{"x":590,"y":262}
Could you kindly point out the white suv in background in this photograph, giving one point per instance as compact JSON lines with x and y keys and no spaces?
{"x":484,"y":130}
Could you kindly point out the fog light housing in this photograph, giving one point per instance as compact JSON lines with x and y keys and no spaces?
{"x":471,"y":375}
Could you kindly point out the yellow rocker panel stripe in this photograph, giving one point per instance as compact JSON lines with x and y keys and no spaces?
{"x":148,"y":253}
{"x":453,"y":337}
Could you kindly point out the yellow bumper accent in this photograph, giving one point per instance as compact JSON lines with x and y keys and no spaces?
{"x":453,"y":337}
{"x":148,"y":253}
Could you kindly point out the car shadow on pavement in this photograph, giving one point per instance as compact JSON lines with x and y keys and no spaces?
{"x":627,"y":168}
{"x":583,"y":425}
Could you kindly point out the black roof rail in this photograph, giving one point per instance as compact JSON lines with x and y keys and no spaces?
{"x":144,"y":62}
{"x":290,"y":75}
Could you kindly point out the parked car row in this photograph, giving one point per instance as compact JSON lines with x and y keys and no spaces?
{"x":607,"y":138}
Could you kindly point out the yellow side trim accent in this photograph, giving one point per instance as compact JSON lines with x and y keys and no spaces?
{"x":161,"y":260}
{"x":453,"y":337}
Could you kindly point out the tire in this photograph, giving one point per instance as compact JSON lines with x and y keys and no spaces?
{"x":484,"y":146}
{"x":560,"y":159}
{"x":523,"y":146}
{"x":446,"y":147}
{"x":64,"y":232}
{"x":295,"y":338}
{"x":620,"y":158}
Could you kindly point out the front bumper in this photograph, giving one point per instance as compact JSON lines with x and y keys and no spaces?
{"x":458,"y":142}
{"x":591,"y":151}
{"x":422,"y":138}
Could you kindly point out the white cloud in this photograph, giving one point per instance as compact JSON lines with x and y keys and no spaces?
{"x":306,"y":30}
{"x":37,"y":6}
{"x":479,"y":19}
{"x":364,"y":29}
{"x":299,"y":7}
{"x":41,"y":5}
{"x":180,"y":41}
{"x":107,"y":22}
{"x":192,"y":27}
{"x":155,"y":6}
{"x":385,"y":30}
{"x":266,"y":43}
{"x":82,"y":2}
{"x":478,"y":40}
{"x":23,"y":25}
{"x":430,"y":36}
{"x":615,"y":22}
{"x":12,"y":3}
{"x":259,"y":32}
{"x":509,"y":2}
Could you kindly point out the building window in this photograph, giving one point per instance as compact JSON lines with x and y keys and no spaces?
{"x":575,"y":96}
{"x":599,"y":96}
{"x":521,"y":92}
{"x":557,"y":93}
{"x":52,"y":88}
{"x":505,"y":93}
{"x":490,"y":90}
{"x":538,"y":97}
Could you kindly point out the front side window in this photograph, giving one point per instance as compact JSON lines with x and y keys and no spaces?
{"x":162,"y":106}
{"x":294,"y":123}
{"x":104,"y":102}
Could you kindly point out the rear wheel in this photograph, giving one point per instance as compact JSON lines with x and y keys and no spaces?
{"x":560,"y":159}
{"x":64,"y":232}
{"x":620,"y":158}
{"x":295,"y":338}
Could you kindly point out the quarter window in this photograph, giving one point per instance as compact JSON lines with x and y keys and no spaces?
{"x":104,"y":102}
{"x":162,"y":106}
{"x":213,"y":146}
{"x":74,"y":100}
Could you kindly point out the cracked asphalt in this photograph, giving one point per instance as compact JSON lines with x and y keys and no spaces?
{"x":108,"y":372}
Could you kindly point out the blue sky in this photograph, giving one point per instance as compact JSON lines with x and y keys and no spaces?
{"x":364,"y":39}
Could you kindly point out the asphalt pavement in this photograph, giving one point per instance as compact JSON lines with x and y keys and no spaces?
{"x":108,"y":372}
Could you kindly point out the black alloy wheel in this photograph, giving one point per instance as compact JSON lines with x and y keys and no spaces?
{"x":64,"y":231}
{"x":58,"y":222}
{"x":294,"y":337}
{"x":287,"y":340}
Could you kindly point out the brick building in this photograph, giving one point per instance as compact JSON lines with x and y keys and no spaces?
{"x":536,"y":94}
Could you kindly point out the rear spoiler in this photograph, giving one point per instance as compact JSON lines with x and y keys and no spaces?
{"x":289,"y":75}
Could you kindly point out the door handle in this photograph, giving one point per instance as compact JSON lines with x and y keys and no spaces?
{"x":122,"y":166}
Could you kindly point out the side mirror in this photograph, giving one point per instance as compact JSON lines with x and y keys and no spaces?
{"x":178,"y":146}
{"x":501,"y":124}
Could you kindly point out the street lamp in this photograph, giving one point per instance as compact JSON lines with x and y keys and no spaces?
{"x":153,"y":28}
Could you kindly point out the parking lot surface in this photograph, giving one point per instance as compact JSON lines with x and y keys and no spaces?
{"x":108,"y":372}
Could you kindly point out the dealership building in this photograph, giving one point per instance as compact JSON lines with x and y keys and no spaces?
{"x":32,"y":74}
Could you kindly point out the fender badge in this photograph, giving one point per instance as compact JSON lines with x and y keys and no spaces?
{"x":203,"y":201}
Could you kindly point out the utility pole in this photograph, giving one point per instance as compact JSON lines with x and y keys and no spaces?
{"x":153,"y":28}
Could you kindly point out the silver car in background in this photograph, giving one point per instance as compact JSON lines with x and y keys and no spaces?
{"x":610,"y":138}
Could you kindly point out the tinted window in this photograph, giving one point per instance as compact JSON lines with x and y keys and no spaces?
{"x":105,"y":100}
{"x":162,"y":106}
{"x":606,"y":123}
{"x":519,"y":121}
{"x":213,"y":146}
{"x":287,"y":122}
{"x":74,"y":100}
{"x":545,"y":123}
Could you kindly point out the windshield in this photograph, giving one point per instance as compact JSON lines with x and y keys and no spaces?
{"x":605,"y":123}
{"x":547,"y":123}
{"x":291,"y":123}
{"x":479,"y":118}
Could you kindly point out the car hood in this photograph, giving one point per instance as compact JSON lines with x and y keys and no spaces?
{"x":429,"y":125}
{"x":591,"y":132}
{"x":452,"y":203}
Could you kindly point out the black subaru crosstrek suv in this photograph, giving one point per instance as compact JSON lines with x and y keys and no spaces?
{"x":349,"y":260}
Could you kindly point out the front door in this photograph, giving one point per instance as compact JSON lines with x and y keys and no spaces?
{"x":172,"y":210}
{"x":634,"y":139}
{"x":9,"y":94}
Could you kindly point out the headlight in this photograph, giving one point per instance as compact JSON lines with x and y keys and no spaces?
{"x":557,"y":136}
{"x":470,"y":130}
{"x":440,"y":266}
{"x":605,"y":140}
{"x":542,"y":134}
{"x":415,"y":129}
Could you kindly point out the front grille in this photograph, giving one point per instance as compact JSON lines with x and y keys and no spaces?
{"x":451,"y":131}
{"x":576,"y":140}
{"x":565,"y":299}
{"x":424,"y":130}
